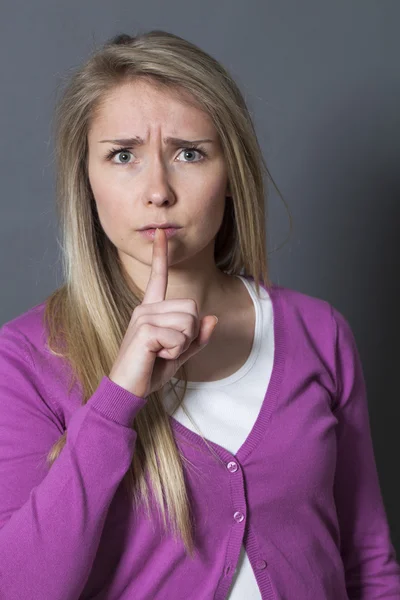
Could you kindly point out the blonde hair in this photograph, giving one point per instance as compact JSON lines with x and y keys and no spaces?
{"x":88,"y":315}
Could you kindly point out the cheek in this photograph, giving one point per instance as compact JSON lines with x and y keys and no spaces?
{"x":110,"y":208}
{"x":208,"y":211}
{"x":108,"y":199}
{"x":213,"y":206}
{"x":205,"y":192}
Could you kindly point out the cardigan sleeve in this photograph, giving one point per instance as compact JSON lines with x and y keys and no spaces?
{"x":51,"y":519}
{"x":371,"y":568}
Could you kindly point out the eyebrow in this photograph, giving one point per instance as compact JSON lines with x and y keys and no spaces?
{"x":172,"y":141}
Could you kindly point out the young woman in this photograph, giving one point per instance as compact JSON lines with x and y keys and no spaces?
{"x":146,"y":452}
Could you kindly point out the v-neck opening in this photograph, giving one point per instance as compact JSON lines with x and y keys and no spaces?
{"x":258,"y":429}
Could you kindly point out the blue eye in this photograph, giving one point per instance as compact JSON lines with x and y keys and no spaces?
{"x":194,"y":149}
{"x":114,"y":151}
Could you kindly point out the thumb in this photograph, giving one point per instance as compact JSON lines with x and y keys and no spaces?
{"x":208,"y":324}
{"x":207,"y":327}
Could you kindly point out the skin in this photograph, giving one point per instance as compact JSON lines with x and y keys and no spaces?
{"x":156,"y":182}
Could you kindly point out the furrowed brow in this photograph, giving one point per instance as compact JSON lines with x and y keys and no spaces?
{"x":172,"y":141}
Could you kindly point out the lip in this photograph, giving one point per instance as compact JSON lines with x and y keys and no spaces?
{"x":156,"y":225}
{"x":150,"y":233}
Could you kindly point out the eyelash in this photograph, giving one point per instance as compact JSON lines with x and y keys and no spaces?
{"x":110,"y":155}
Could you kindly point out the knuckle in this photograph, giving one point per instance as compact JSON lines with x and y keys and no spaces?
{"x":192,"y":304}
{"x":141,"y":320}
{"x":180,"y":338}
{"x":136,"y":313}
{"x":145,"y":328}
{"x":137,"y":310}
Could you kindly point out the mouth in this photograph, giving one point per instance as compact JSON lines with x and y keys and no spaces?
{"x":150,"y":233}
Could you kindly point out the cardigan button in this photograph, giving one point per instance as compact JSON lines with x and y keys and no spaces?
{"x":238,"y":516}
{"x":261,"y":564}
{"x":232,"y":466}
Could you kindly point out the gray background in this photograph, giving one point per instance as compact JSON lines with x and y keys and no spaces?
{"x":322,"y":82}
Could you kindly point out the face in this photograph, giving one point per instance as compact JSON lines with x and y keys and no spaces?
{"x":156,"y":180}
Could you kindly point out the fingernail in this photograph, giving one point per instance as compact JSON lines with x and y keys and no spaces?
{"x":216,"y":319}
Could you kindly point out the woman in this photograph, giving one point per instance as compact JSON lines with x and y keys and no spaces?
{"x":263,"y":484}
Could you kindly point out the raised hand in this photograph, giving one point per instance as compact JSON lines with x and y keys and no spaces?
{"x":162,"y":334}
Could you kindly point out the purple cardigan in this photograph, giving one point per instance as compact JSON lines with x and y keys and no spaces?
{"x":302,"y":493}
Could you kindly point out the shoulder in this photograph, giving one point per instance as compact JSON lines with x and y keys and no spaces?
{"x":28,"y":327}
{"x":25,"y":356}
{"x":311,"y":311}
{"x":311,"y":324}
{"x":27,"y":333}
{"x":301,"y":308}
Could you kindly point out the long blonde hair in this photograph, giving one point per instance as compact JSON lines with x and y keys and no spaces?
{"x":88,"y":315}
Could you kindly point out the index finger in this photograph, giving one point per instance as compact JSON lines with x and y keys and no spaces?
{"x":157,"y":284}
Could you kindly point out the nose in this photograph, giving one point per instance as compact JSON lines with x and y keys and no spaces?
{"x":157,"y":186}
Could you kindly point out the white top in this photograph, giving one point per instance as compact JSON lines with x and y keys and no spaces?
{"x":225,"y":412}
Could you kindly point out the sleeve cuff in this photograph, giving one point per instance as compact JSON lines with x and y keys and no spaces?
{"x":115,"y":402}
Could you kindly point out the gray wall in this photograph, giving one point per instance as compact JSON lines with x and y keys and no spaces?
{"x":322,"y":82}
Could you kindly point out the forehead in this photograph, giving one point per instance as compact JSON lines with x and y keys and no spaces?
{"x":136,"y":106}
